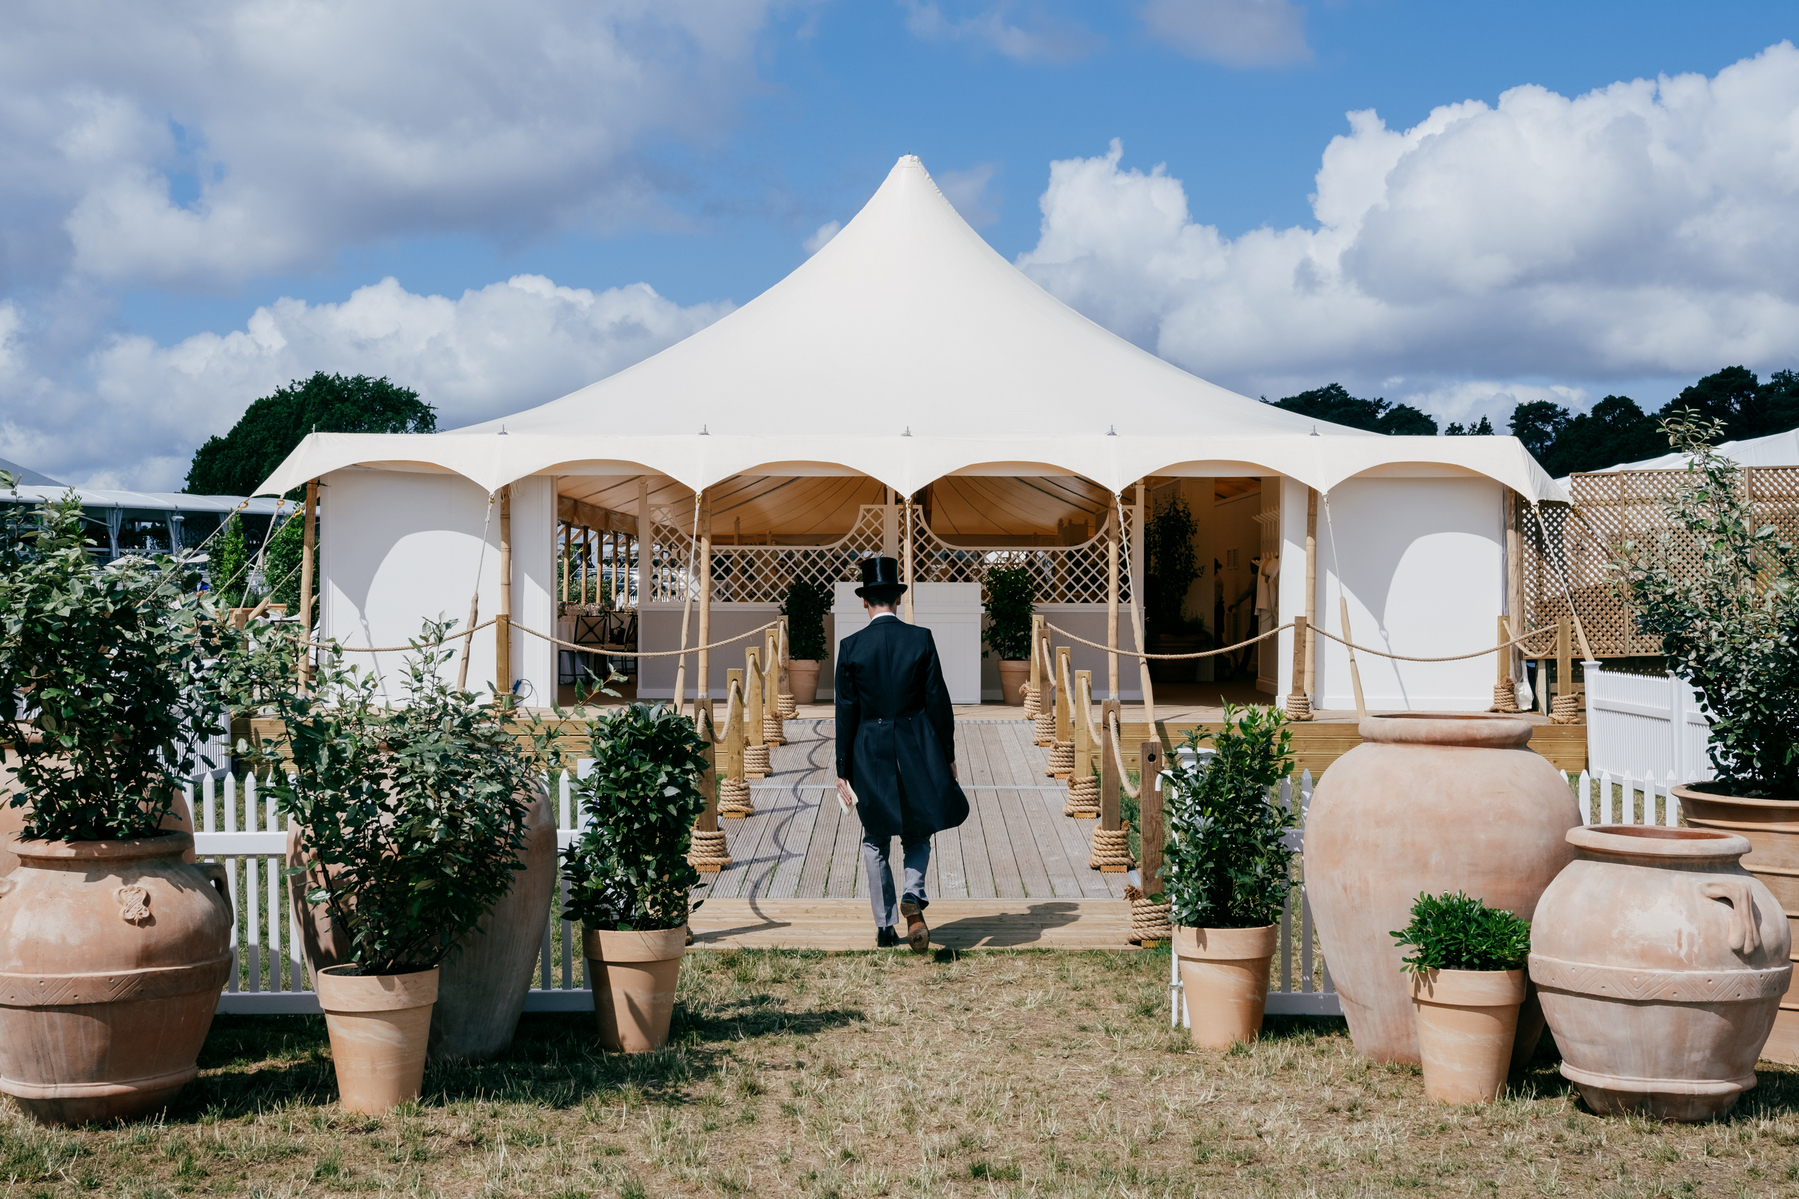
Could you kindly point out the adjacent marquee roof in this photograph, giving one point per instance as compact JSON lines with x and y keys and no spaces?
{"x":1776,"y":449}
{"x":907,"y":350}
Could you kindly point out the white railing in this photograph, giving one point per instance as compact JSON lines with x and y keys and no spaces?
{"x":1605,"y":798}
{"x":237,"y":824}
{"x":1314,"y":995}
{"x":1651,"y":723}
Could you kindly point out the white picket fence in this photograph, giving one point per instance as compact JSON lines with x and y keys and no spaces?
{"x":1645,"y":723}
{"x":1313,"y":995}
{"x":238,"y":826}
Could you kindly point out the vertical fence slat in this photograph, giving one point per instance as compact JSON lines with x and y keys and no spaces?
{"x":274,"y":868}
{"x":237,"y":939}
{"x":252,"y":912}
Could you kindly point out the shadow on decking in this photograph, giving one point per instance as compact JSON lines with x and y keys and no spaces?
{"x":1006,"y":930}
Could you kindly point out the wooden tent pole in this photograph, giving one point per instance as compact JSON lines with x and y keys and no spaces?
{"x":1037,"y":657}
{"x":906,"y":552}
{"x":1311,"y":675}
{"x":704,"y":665}
{"x":643,"y":549}
{"x":1112,"y":532}
{"x":503,"y":618}
{"x":688,"y":586}
{"x":308,"y":544}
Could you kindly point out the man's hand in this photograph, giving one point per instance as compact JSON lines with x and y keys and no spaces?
{"x":844,"y":793}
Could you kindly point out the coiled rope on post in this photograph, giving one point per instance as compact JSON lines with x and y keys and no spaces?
{"x":1149,"y":920}
{"x":733,"y":791}
{"x":1083,"y":790}
{"x":1061,"y":753}
{"x":708,"y":852}
{"x":1111,"y":850}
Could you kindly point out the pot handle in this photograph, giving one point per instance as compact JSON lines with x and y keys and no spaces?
{"x":6,"y":886}
{"x":215,"y":874}
{"x":1745,"y":935}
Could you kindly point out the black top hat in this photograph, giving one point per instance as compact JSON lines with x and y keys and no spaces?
{"x":881,"y":574}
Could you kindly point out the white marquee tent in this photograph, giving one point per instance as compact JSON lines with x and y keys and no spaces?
{"x":907,"y":355}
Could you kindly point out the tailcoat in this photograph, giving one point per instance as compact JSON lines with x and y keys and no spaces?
{"x":895,"y":728}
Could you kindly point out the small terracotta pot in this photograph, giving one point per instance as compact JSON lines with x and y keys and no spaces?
{"x":1224,"y":975}
{"x":802,"y":680}
{"x":634,"y":976}
{"x":380,"y":1026}
{"x":1660,"y":963}
{"x":112,"y":955}
{"x":1772,"y":829}
{"x":1467,"y":1021}
{"x":1014,"y":677}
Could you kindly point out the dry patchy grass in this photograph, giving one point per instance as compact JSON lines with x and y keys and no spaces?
{"x":993,"y":1074}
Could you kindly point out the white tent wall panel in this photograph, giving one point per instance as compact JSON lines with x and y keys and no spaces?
{"x":1422,"y":563}
{"x":1089,"y":621}
{"x":1292,"y":581}
{"x":534,"y":587}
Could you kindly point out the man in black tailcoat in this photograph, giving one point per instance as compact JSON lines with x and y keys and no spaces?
{"x":896,"y":750}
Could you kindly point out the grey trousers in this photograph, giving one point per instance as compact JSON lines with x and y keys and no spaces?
{"x":917,"y":857}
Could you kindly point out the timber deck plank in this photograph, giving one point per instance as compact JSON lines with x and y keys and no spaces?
{"x":956,"y":924}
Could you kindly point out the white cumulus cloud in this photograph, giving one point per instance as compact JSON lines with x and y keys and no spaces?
{"x":1039,"y":37}
{"x":1643,"y":230}
{"x":499,"y":349}
{"x":1237,"y":33}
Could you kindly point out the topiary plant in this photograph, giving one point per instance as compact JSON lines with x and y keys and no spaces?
{"x":1459,"y":932}
{"x":1171,"y":566}
{"x":804,"y":606}
{"x":1730,"y":627}
{"x":1011,"y":599}
{"x":1227,"y":863}
{"x":628,"y":870}
{"x":103,"y":677}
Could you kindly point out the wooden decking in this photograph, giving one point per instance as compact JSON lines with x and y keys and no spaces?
{"x":1016,"y":844}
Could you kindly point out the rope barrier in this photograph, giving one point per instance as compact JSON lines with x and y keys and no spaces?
{"x":1322,"y":633}
{"x":1124,"y":776}
{"x":587,"y":648}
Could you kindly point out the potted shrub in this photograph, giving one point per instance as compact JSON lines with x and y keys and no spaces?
{"x":1227,"y":870}
{"x":1171,"y":569}
{"x":1011,"y":599}
{"x":804,"y":606}
{"x":1467,"y":969}
{"x":1721,"y":588}
{"x":411,"y":821}
{"x":102,"y":697}
{"x":628,"y":875}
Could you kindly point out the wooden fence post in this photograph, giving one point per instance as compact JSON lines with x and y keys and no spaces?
{"x":1149,"y":814}
{"x":1064,"y":702}
{"x":1081,"y":713}
{"x":734,"y":792}
{"x":1564,"y":656}
{"x":708,"y":822}
{"x":755,"y":761}
{"x":1110,"y":781}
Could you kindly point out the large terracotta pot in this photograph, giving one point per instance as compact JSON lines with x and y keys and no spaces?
{"x":1772,"y":829}
{"x":1014,"y":677}
{"x":802,"y":680}
{"x":634,"y":976}
{"x":112,"y":956}
{"x":482,"y":985}
{"x":1224,"y":977}
{"x":1426,"y":804}
{"x":1467,"y":1021}
{"x":1660,"y":963}
{"x":380,"y":1025}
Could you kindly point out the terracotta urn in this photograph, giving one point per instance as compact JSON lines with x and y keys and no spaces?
{"x":634,"y":976}
{"x":1771,"y":827}
{"x":1014,"y":677}
{"x":1224,"y":977}
{"x":1426,"y":804}
{"x":380,"y":1026}
{"x":482,"y":984}
{"x":802,"y":680}
{"x":1660,"y":963}
{"x":1467,"y":1021}
{"x":112,"y":956}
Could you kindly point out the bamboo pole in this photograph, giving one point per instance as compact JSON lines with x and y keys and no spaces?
{"x":503,"y":618}
{"x":1112,"y":534}
{"x":1311,"y":638}
{"x":1302,"y":628}
{"x":1110,"y":781}
{"x":704,"y":656}
{"x":565,"y":538}
{"x":906,"y":550}
{"x":688,"y":587}
{"x":1514,"y":578}
{"x":1503,"y":658}
{"x":1037,"y":656}
{"x":1149,"y":814}
{"x":1143,"y":679}
{"x":308,"y":545}
{"x":1355,"y":673}
{"x":644,"y":537}
{"x":1564,"y":656}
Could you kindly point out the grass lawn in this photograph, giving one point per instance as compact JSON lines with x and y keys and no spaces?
{"x":998,"y":1073}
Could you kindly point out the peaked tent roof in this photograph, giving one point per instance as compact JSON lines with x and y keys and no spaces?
{"x":906,"y":349}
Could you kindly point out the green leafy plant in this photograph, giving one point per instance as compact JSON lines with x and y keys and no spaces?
{"x":229,"y":573}
{"x":414,"y":813}
{"x":1011,"y":599}
{"x":281,"y":563}
{"x":1730,"y":627}
{"x":103,"y":677}
{"x":628,"y":870}
{"x":1459,"y":932}
{"x":1172,"y":567}
{"x":805,"y":606}
{"x":1227,"y":863}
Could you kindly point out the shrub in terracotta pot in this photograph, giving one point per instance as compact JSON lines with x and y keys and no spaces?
{"x":805,"y":606}
{"x":1720,"y":586}
{"x":628,"y":874}
{"x":113,"y":948}
{"x":1227,"y":871}
{"x":1011,"y":600}
{"x":1467,"y":972}
{"x":412,"y":820}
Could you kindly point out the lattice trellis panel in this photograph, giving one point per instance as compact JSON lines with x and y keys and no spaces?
{"x":1071,"y":574}
{"x":1610,"y":508}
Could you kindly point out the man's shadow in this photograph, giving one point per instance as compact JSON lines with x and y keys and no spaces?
{"x":1005,"y":930}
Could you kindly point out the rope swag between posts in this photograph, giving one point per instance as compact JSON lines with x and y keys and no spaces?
{"x":1207,"y":653}
{"x":593,"y":649}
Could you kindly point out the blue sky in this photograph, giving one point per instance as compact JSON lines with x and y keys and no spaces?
{"x":206,"y":198}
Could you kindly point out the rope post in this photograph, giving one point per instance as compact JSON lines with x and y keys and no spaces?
{"x":772,"y":731}
{"x":784,"y":698}
{"x":1299,"y":704}
{"x":1064,"y":706}
{"x":734,"y":792}
{"x":708,"y":852}
{"x":309,"y":541}
{"x":1149,"y":813}
{"x":1355,"y":673}
{"x":1083,"y":730}
{"x":1110,"y":781}
{"x":502,"y":628}
{"x":755,"y":755}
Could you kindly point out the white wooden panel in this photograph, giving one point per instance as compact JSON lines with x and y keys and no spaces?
{"x":952,"y":611}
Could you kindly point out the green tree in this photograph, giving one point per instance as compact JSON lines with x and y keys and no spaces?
{"x":1537,"y":424}
{"x":229,"y":569}
{"x":1482,"y":429}
{"x":270,"y":428}
{"x":1333,"y":403}
{"x":1615,"y":431}
{"x":281,"y":563}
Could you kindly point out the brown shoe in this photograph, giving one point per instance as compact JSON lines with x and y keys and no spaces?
{"x":918,"y":935}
